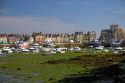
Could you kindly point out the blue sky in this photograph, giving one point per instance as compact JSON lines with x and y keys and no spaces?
{"x":60,"y":16}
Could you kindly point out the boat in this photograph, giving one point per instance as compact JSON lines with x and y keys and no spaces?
{"x":114,"y":43}
{"x":71,"y":49}
{"x":118,"y":48}
{"x":17,"y":50}
{"x":60,"y":50}
{"x":1,"y":53}
{"x":94,"y":43}
{"x":122,"y":51}
{"x":105,"y":50}
{"x":90,"y":46}
{"x":45,"y":49}
{"x":32,"y":48}
{"x":24,"y":50}
{"x":36,"y":45}
{"x":115,"y":52}
{"x":99,"y":48}
{"x":35,"y":50}
{"x":77,"y":48}
{"x":7,"y":49}
{"x":53,"y":51}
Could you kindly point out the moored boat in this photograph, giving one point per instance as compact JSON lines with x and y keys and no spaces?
{"x":99,"y":48}
{"x":118,"y":48}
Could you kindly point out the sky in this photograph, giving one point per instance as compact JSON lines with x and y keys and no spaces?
{"x":60,"y":16}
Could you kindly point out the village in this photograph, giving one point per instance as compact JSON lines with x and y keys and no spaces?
{"x":62,"y":41}
{"x":63,"y":58}
{"x":52,"y":43}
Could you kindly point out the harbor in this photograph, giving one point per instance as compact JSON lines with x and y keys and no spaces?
{"x":62,"y":41}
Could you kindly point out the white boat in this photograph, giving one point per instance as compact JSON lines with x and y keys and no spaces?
{"x":25,"y":50}
{"x":36,"y":51}
{"x":60,"y":50}
{"x":53,"y":51}
{"x":1,"y":53}
{"x":7,"y":49}
{"x":105,"y":50}
{"x":121,"y":51}
{"x":36,"y":45}
{"x":63,"y":51}
{"x":46,"y":49}
{"x":115,"y":52}
{"x":0,"y":50}
{"x":32,"y":48}
{"x":77,"y":48}
{"x":99,"y":48}
{"x":17,"y":50}
{"x":90,"y":46}
{"x":12,"y":48}
{"x":118,"y":48}
{"x":71,"y":49}
{"x":51,"y":44}
{"x":10,"y":51}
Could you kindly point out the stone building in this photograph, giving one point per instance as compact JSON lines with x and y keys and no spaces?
{"x":115,"y":32}
{"x":3,"y":38}
{"x":67,"y":38}
{"x":30,"y":40}
{"x":84,"y":37}
{"x":91,"y":35}
{"x":11,"y":40}
{"x":78,"y":37}
{"x":38,"y":37}
{"x":105,"y":35}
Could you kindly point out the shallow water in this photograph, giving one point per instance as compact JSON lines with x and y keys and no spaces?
{"x":110,"y":49}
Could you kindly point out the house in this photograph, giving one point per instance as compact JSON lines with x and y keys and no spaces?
{"x":3,"y":39}
{"x":114,"y":33}
{"x":38,"y":37}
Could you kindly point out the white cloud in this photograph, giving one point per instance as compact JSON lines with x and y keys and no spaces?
{"x":65,"y":2}
{"x":86,"y":3}
{"x":30,"y":24}
{"x":74,"y":3}
{"x":3,"y":12}
{"x":113,"y":10}
{"x":118,"y":11}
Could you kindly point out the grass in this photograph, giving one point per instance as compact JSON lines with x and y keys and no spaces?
{"x":34,"y":67}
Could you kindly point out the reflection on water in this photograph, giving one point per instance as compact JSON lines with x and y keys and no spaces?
{"x":110,"y":49}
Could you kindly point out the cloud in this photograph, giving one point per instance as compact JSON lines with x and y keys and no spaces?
{"x":113,"y":10}
{"x":118,"y":11}
{"x":3,"y":12}
{"x":29,"y":24}
{"x":65,"y":2}
{"x":74,"y":3}
{"x":86,"y":3}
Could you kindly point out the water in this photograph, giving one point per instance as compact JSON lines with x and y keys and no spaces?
{"x":110,"y":49}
